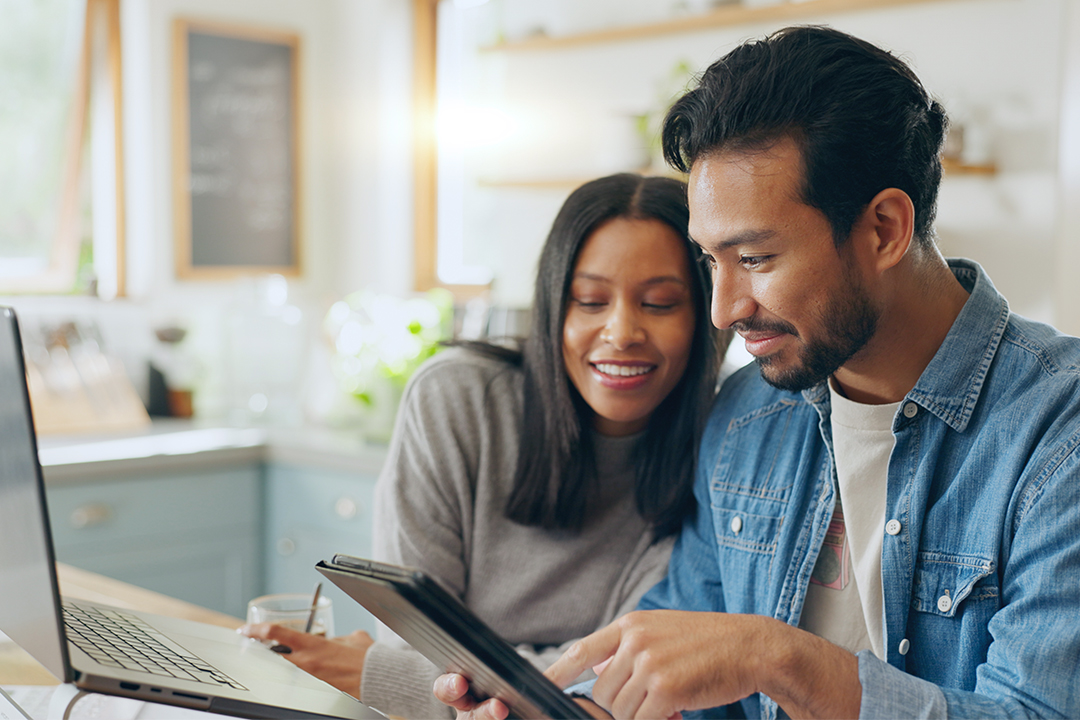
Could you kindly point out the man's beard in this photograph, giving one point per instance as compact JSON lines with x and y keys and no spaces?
{"x":847,"y":325}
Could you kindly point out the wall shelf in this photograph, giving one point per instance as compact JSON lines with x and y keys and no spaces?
{"x":723,"y":16}
{"x":955,"y":167}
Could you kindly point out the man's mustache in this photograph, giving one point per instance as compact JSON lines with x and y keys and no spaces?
{"x":756,"y":325}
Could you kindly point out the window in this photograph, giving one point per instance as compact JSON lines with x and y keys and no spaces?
{"x":442,"y":257}
{"x":61,"y":198}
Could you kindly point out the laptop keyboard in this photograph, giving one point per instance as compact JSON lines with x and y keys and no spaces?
{"x":118,"y":639}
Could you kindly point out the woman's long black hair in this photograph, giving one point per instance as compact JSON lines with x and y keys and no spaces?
{"x":555,"y":484}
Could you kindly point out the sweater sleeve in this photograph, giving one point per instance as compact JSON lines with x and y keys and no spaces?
{"x":398,"y":682}
{"x":423,"y":507}
{"x":647,"y":566}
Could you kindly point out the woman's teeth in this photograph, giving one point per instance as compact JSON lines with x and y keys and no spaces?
{"x":623,"y":370}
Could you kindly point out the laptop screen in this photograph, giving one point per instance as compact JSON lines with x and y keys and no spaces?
{"x":29,"y":597}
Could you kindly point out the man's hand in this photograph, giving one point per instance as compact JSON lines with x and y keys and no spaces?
{"x":657,"y":663}
{"x":661,"y":662}
{"x":338,"y":662}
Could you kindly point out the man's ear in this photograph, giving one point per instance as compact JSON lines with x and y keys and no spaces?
{"x":888,"y":223}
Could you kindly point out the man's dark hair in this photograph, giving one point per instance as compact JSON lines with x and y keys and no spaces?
{"x":860,"y":116}
{"x":555,"y":485}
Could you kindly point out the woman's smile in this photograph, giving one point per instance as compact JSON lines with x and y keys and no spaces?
{"x":623,"y":375}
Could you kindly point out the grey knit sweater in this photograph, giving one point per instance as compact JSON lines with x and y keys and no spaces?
{"x":439,"y":507}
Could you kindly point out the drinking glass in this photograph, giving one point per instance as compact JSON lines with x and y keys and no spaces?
{"x":292,"y":610}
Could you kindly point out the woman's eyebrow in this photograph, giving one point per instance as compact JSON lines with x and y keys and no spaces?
{"x":658,"y":280}
{"x":665,"y":279}
{"x":591,"y":276}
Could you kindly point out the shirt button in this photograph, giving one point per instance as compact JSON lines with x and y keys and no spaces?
{"x":904,"y":646}
{"x":736,"y":524}
{"x":944,"y":603}
{"x":893,"y":527}
{"x":911,"y":410}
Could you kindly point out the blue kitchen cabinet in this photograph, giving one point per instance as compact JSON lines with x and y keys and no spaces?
{"x":311,"y":514}
{"x":192,"y":535}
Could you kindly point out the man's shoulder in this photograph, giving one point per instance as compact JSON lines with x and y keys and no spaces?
{"x":1053,"y":353}
{"x":1036,"y":367}
{"x":745,"y":394}
{"x":747,"y":385}
{"x":1037,"y":373}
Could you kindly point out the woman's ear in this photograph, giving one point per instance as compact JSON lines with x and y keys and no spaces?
{"x":889,"y":221}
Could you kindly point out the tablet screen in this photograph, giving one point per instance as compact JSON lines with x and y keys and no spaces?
{"x":446,"y":632}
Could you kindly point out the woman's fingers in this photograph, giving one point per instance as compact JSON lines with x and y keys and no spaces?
{"x":279,"y":636}
{"x":453,"y":690}
{"x":339,"y":662}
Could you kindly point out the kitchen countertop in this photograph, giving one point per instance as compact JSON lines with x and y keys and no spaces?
{"x":18,"y":668}
{"x":186,"y":446}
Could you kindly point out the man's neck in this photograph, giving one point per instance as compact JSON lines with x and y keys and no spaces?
{"x":920,"y":311}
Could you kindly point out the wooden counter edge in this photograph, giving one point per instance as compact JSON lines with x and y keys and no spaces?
{"x":85,"y":585}
{"x":18,"y":668}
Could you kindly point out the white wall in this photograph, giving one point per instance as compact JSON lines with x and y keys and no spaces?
{"x":1067,"y":258}
{"x":355,"y":168}
{"x":999,"y":60}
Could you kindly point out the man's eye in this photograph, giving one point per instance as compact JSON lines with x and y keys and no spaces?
{"x":708,"y":260}
{"x":753,"y":261}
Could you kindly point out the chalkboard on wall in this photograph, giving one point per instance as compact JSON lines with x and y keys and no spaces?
{"x":235,"y":150}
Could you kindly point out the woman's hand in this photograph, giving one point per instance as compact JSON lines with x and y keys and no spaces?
{"x":338,"y":662}
{"x":453,"y":690}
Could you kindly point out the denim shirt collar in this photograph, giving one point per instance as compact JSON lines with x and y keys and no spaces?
{"x":949,"y":387}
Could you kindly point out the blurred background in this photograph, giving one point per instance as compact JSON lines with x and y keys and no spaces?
{"x":431,"y":143}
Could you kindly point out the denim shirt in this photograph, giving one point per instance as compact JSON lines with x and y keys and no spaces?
{"x":981,"y":557}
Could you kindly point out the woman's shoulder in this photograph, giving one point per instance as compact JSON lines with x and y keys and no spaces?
{"x":459,"y":373}
{"x":460,"y":401}
{"x":465,"y":364}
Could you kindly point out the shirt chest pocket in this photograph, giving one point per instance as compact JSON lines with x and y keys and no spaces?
{"x":953,"y":598}
{"x":750,"y":532}
{"x":946,"y":584}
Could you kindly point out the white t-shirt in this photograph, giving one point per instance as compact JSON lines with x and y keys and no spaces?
{"x":844,"y":603}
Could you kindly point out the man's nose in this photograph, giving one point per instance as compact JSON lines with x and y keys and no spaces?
{"x":731,"y":300}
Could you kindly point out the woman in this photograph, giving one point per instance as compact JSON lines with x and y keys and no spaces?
{"x":543,"y":487}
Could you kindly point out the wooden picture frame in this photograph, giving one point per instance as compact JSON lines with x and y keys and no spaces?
{"x":236,"y":150}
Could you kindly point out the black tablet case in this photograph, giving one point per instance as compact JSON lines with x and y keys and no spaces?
{"x":446,"y":632}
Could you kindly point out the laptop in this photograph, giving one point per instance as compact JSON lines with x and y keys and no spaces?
{"x":114,"y":651}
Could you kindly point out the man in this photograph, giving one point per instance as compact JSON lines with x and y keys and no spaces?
{"x":888,"y":499}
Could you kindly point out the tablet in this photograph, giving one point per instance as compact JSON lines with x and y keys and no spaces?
{"x":448,"y":634}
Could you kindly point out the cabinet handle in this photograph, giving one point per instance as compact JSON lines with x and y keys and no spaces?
{"x":90,"y":515}
{"x":346,"y":508}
